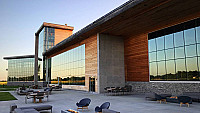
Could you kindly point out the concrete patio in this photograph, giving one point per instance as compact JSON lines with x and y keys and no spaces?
{"x":66,"y":99}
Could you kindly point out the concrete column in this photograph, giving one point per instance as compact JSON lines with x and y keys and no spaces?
{"x":36,"y":60}
{"x":47,"y":71}
{"x":110,"y":51}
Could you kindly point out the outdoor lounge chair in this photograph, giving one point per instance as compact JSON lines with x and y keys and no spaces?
{"x":109,"y":111}
{"x":105,"y":105}
{"x":83,"y":104}
{"x":30,"y":109}
{"x":184,"y":100}
{"x":160,"y":98}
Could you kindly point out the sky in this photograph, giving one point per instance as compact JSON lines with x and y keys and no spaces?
{"x":20,"y":19}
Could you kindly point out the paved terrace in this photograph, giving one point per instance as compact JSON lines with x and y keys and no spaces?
{"x":66,"y":99}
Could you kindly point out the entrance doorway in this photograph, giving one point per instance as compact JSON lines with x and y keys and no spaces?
{"x":92,"y":84}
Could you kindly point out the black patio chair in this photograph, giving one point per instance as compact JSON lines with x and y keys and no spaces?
{"x":27,"y":97}
{"x":116,"y":90}
{"x":40,"y":96}
{"x":105,"y":89}
{"x":83,"y":104}
{"x":105,"y":105}
{"x":184,"y":100}
{"x":48,"y":89}
{"x":160,"y":98}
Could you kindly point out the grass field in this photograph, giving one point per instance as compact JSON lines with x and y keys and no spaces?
{"x":5,"y":86}
{"x":7,"y":89}
{"x":6,"y":96}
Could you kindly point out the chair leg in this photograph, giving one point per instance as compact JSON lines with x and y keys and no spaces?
{"x":165,"y":101}
{"x":181,"y":104}
{"x":188,"y":104}
{"x":25,"y":100}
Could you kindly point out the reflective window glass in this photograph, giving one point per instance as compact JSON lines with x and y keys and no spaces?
{"x":152,"y":56}
{"x":169,"y":41}
{"x":21,"y":69}
{"x":190,"y":50}
{"x":181,"y":69}
{"x":192,"y":69}
{"x":179,"y":52}
{"x":160,"y":43}
{"x":170,"y":68}
{"x":161,"y":70}
{"x":160,"y":55}
{"x":67,"y":66}
{"x":189,"y":36}
{"x":198,"y":49}
{"x":178,"y":39}
{"x":153,"y":69}
{"x":198,"y":34}
{"x":169,"y":54}
{"x":152,"y":45}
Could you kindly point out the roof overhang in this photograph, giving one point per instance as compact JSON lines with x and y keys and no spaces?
{"x":134,"y":17}
{"x":76,"y":37}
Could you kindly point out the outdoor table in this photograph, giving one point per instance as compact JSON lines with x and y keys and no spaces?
{"x":34,"y":95}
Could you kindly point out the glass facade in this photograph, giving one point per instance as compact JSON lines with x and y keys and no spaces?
{"x":175,"y":56}
{"x":21,"y":69}
{"x":46,"y":41}
{"x":69,"y":66}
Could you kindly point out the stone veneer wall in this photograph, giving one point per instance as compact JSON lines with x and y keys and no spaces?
{"x":164,"y":87}
{"x":75,"y":87}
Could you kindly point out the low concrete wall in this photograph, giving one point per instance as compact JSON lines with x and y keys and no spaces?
{"x":21,"y":83}
{"x":75,"y":87}
{"x":175,"y":88}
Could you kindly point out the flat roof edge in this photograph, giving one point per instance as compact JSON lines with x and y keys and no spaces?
{"x":20,"y":57}
{"x":58,"y":26}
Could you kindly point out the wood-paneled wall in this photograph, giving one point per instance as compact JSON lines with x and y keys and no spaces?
{"x":136,"y":58}
{"x":61,"y":34}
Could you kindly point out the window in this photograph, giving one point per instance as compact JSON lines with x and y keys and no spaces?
{"x":178,"y":39}
{"x":152,"y":45}
{"x":174,"y":53}
{"x":69,"y":66}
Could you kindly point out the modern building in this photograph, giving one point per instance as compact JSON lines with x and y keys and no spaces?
{"x":46,"y":37}
{"x":21,"y":70}
{"x":152,"y":45}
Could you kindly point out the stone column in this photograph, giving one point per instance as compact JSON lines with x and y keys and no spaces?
{"x":36,"y":60}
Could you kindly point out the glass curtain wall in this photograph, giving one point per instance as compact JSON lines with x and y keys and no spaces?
{"x":46,"y":41}
{"x":69,"y":66}
{"x":21,"y":69}
{"x":175,"y":56}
